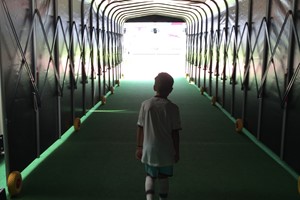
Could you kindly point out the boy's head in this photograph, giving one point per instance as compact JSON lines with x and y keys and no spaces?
{"x":163,"y":84}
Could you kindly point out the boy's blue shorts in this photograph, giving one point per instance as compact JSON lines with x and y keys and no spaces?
{"x":156,"y":172}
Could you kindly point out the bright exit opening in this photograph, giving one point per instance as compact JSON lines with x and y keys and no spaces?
{"x":150,"y":48}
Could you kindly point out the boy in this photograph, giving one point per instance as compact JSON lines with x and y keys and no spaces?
{"x":158,"y":136}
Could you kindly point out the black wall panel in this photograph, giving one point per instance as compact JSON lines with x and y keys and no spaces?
{"x":78,"y":93}
{"x":255,"y":86}
{"x":251,"y":111}
{"x":65,"y":74}
{"x":272,"y":113}
{"x":19,"y":99}
{"x":229,"y":73}
{"x":292,"y":135}
{"x":291,"y":152}
{"x":252,"y":119}
{"x":53,"y":72}
{"x":46,"y":76}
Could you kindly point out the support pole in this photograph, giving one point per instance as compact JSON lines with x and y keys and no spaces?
{"x":3,"y":119}
{"x":233,"y":78}
{"x":56,"y":58}
{"x":264,"y":66}
{"x":218,"y":52}
{"x":104,"y":52}
{"x":83,"y":71}
{"x":205,"y":48}
{"x":200,"y":50}
{"x":35,"y":72}
{"x":91,"y":28}
{"x":247,"y":58}
{"x":71,"y":61}
{"x":223,"y":75}
{"x":290,"y":72}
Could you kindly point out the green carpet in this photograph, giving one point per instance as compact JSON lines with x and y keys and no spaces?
{"x":216,"y":163}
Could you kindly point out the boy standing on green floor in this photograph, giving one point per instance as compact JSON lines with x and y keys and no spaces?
{"x":158,"y":136}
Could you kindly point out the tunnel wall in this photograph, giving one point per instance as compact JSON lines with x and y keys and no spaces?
{"x":255,"y":76}
{"x":53,"y":71}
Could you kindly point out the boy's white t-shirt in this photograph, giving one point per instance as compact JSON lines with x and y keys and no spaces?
{"x":158,"y":117}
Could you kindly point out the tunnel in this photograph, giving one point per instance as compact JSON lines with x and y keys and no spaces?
{"x":64,"y":89}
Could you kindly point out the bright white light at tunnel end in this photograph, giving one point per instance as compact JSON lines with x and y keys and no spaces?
{"x":147,"y":53}
{"x":146,"y":67}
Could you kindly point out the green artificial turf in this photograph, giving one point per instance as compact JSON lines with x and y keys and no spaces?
{"x":216,"y":163}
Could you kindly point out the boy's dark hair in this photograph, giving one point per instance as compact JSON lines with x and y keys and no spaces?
{"x":164,"y":82}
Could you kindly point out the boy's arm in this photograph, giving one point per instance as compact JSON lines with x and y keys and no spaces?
{"x":139,"y":142}
{"x":176,"y":141}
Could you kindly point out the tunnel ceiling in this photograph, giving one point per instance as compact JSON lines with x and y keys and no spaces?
{"x":157,"y":10}
{"x":155,"y":18}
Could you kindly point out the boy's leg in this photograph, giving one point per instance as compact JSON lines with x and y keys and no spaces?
{"x":152,"y":173}
{"x":163,"y":181}
{"x":149,"y":187}
{"x":163,"y":188}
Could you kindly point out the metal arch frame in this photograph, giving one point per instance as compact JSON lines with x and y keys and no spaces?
{"x":168,"y":7}
{"x":226,"y":41}
{"x":150,"y":7}
{"x":97,"y":37}
{"x":212,"y":14}
{"x":88,"y":32}
{"x":290,"y":75}
{"x":247,"y":60}
{"x":193,"y":39}
{"x":223,"y":76}
{"x":185,"y":6}
{"x":100,"y":33}
{"x":172,"y":15}
{"x":103,"y":26}
{"x":154,"y":6}
{"x":122,"y":20}
{"x":233,"y":76}
{"x":107,"y":27}
{"x":218,"y":53}
{"x":205,"y":48}
{"x":56,"y":57}
{"x":199,"y":53}
{"x":91,"y":20}
{"x":196,"y":16}
{"x":84,"y":76}
{"x":210,"y":45}
{"x":211,"y":29}
{"x":210,"y":53}
{"x":142,"y":12}
{"x":142,"y":3}
{"x":145,"y":5}
{"x":264,"y":66}
{"x":189,"y":24}
{"x":72,"y":81}
{"x":226,"y":38}
{"x":164,"y":4}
